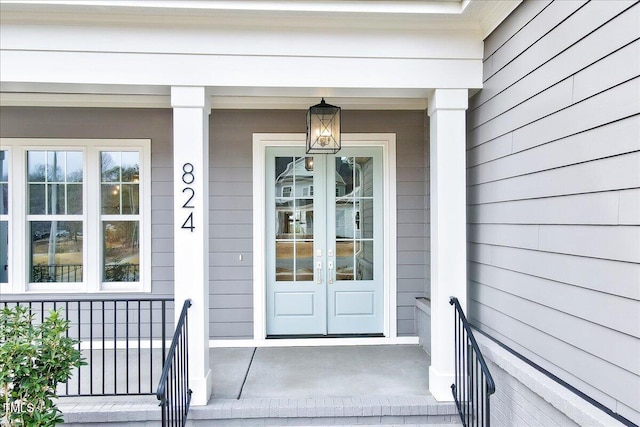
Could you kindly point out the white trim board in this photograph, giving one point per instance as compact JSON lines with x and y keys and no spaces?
{"x":388,"y":143}
{"x":312,"y":342}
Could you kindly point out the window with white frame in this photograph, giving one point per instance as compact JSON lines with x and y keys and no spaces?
{"x":55,"y":220}
{"x":87,"y":222}
{"x":4,"y":218}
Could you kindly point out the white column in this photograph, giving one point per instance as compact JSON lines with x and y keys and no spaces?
{"x":191,"y":109}
{"x":447,"y":109}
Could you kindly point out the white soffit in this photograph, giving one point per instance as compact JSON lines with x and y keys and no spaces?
{"x":482,"y":15}
{"x":273,"y":40}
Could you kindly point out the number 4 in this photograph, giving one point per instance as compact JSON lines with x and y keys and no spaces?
{"x":188,"y":223}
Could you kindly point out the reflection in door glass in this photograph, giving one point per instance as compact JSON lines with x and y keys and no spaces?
{"x":354,"y":218}
{"x":294,"y":218}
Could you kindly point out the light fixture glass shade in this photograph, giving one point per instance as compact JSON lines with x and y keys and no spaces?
{"x":323,"y":129}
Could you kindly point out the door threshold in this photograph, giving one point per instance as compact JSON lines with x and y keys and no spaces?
{"x":310,"y":336}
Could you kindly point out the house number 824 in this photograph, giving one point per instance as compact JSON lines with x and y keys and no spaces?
{"x":188,"y":179}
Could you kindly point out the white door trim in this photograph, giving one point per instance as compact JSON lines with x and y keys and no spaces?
{"x":388,"y":143}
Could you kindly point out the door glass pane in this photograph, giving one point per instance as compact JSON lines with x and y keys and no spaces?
{"x":344,"y":176}
{"x":56,"y":251}
{"x":345,"y":218}
{"x":354,"y":218}
{"x":284,"y":261}
{"x":304,"y":261}
{"x":365,"y":216}
{"x":294,"y":216}
{"x":284,"y":219}
{"x":344,"y":260}
{"x":364,"y":176}
{"x":364,"y":260}
{"x":304,"y":218}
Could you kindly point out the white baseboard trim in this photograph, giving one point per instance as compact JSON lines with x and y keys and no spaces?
{"x":312,"y":342}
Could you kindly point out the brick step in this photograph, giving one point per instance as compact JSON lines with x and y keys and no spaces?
{"x":404,"y":410}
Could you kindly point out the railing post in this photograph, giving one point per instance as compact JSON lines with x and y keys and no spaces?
{"x":473,"y":384}
{"x":173,"y":391}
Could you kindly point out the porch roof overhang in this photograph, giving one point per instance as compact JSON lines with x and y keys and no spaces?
{"x":248,"y":54}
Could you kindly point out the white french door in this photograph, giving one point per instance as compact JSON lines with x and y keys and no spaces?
{"x":324,"y":242}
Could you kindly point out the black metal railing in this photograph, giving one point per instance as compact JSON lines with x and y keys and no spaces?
{"x":173,"y":391}
{"x":56,"y":273}
{"x":122,"y":341}
{"x":473,"y":382}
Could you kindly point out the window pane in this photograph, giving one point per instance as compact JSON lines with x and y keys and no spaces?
{"x":130,"y":197}
{"x":121,"y":258}
{"x":4,"y":181}
{"x":130,"y":166}
{"x":37,"y":200}
{"x":120,"y":174}
{"x":4,"y":199}
{"x":55,"y":170}
{"x":55,"y":166}
{"x":55,"y":199}
{"x":74,"y":166}
{"x":37,"y":166}
{"x":74,"y":199}
{"x":110,"y":199}
{"x":4,"y":251}
{"x":56,"y":251}
{"x":110,"y":166}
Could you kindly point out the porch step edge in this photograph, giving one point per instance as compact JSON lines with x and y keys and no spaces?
{"x":322,"y":407}
{"x":406,"y":410}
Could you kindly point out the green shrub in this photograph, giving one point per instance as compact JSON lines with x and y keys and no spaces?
{"x":34,"y":358}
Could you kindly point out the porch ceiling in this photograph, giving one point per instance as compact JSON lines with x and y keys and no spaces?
{"x":483,"y":15}
{"x":249,"y":54}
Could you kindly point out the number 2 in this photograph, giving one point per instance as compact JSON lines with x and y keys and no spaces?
{"x":193,"y":193}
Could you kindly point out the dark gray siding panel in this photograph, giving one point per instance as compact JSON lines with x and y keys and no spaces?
{"x":553,"y":172}
{"x":231,"y":204}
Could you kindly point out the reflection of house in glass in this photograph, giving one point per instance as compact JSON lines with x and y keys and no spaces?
{"x":353,"y":218}
{"x":294,"y":198}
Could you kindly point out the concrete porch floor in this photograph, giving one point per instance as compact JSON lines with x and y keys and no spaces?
{"x":371,"y":385}
{"x":319,"y":372}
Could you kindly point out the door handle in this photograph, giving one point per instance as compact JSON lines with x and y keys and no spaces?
{"x":330,"y":266}
{"x":319,"y":268}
